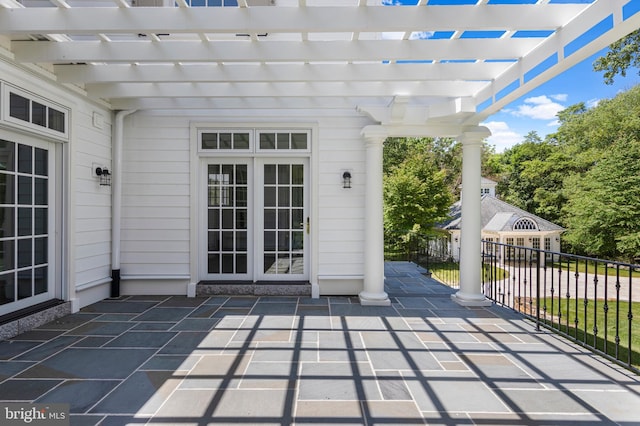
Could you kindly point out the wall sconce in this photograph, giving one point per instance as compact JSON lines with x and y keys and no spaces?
{"x":104,"y":176}
{"x":557,"y":239}
{"x":455,"y":239}
{"x":346,"y":179}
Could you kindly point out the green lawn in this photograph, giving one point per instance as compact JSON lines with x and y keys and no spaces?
{"x":592,"y":332}
{"x":449,"y":272}
{"x":580,"y":266}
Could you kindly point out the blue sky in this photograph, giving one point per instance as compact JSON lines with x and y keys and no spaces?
{"x":537,"y":109}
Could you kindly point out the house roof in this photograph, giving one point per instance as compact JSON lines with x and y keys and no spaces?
{"x":409,"y":62}
{"x":498,"y":216}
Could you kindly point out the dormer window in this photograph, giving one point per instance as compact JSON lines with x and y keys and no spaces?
{"x":525,"y":224}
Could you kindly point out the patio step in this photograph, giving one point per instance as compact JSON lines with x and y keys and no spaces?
{"x":249,"y":288}
{"x":32,"y":317}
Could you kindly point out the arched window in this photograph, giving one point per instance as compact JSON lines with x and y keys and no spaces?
{"x":525,"y":224}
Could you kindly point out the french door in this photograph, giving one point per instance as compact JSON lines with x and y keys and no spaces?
{"x":257,"y":220}
{"x":26,"y":225}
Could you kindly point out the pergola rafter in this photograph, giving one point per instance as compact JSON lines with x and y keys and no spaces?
{"x":340,"y":54}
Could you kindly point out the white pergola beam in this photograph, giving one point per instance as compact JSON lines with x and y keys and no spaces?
{"x":313,"y":89}
{"x":274,"y":51}
{"x":157,"y":73}
{"x":111,"y":20}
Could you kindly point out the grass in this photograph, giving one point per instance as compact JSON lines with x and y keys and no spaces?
{"x":449,"y":272}
{"x":595,"y":327}
{"x":580,"y":266}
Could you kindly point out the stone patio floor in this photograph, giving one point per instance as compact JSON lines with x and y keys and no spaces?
{"x":161,"y":360}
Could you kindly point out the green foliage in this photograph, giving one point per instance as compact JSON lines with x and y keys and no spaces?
{"x":622,"y":55}
{"x":603,"y":213}
{"x":417,"y":188}
{"x":584,"y":177}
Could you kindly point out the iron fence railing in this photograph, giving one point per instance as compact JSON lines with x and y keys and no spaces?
{"x":590,"y":301}
{"x":432,"y":252}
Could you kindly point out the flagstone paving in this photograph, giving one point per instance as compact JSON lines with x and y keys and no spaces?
{"x":291,"y":361}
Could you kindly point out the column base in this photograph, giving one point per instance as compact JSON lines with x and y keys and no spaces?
{"x":374,"y":299}
{"x":473,"y":301}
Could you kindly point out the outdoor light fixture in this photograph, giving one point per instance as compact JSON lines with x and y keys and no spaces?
{"x":104,"y":176}
{"x":456,"y":239}
{"x":346,"y":179}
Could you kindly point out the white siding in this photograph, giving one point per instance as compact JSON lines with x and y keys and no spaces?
{"x":156,"y":203}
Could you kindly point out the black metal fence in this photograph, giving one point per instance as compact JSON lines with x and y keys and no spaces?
{"x":590,"y":301}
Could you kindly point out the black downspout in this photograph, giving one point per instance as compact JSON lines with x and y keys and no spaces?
{"x":115,"y":283}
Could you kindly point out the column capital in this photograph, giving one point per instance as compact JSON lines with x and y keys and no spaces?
{"x":374,"y":134}
{"x":473,"y":135}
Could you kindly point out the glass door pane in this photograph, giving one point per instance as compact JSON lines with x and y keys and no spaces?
{"x":283,"y":220}
{"x":227,"y":219}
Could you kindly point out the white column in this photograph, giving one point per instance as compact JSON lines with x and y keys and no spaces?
{"x":470,"y":293}
{"x":373,"y":293}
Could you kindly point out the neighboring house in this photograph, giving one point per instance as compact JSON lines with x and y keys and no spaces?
{"x":153,"y":150}
{"x":507,"y":224}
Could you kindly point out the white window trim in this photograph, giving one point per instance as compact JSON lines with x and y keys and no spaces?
{"x":6,"y":118}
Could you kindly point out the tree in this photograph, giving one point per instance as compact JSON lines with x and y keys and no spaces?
{"x":603,"y":212}
{"x":622,"y":55}
{"x":416,"y":197}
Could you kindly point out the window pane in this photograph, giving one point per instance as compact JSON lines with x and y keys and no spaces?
{"x":209,"y":141}
{"x":6,"y":222}
{"x":297,"y":197}
{"x":227,"y":263}
{"x":283,"y":241}
{"x":24,"y":190}
{"x":283,"y":219}
{"x":24,"y":221}
{"x":38,"y":114}
{"x":297,"y":239}
{"x":227,"y":241}
{"x":24,"y":158}
{"x":7,"y":189}
{"x":283,"y":141}
{"x":297,"y":174}
{"x":283,"y":197}
{"x":7,"y":289}
{"x":297,"y":218}
{"x":225,"y":141}
{"x":213,"y":264}
{"x":241,"y":241}
{"x":267,"y":141}
{"x":269,"y":197}
{"x":40,"y":252}
{"x":19,"y":107}
{"x":40,"y":280}
{"x":24,"y":284}
{"x":241,"y":197}
{"x":40,"y":221}
{"x":227,"y":219}
{"x":7,"y":155}
{"x":56,"y":120}
{"x":241,"y":141}
{"x":269,"y":263}
{"x":283,"y":174}
{"x":241,"y":264}
{"x":40,"y":192}
{"x":269,"y":241}
{"x":241,"y":219}
{"x":270,"y":174}
{"x":24,"y":253}
{"x":269,"y":219}
{"x":6,"y":256}
{"x":298,"y":141}
{"x":241,"y":174}
{"x":213,"y":221}
{"x":214,"y":241}
{"x":41,"y":162}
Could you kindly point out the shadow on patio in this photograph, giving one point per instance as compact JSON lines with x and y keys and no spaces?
{"x":281,"y":361}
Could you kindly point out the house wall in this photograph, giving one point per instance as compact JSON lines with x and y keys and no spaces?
{"x":82,"y":254}
{"x":158,"y":250}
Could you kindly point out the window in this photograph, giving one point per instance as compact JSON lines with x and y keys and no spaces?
{"x":525,"y":224}
{"x":38,"y":114}
{"x":281,"y":141}
{"x":230,"y":141}
{"x":24,"y":221}
{"x":535,"y":243}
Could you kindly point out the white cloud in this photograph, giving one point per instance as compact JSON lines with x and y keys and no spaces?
{"x":540,"y":107}
{"x":560,"y":97}
{"x":502,"y":137}
{"x":592,"y":103}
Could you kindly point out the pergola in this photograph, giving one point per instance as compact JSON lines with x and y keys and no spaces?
{"x":423,"y":68}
